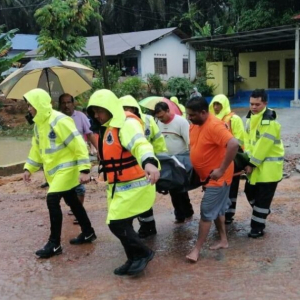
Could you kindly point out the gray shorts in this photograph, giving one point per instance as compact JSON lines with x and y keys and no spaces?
{"x":215,"y":202}
{"x":80,"y":190}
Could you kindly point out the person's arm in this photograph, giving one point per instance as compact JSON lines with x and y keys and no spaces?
{"x":34,"y":161}
{"x":269,"y":135}
{"x":237,"y":128}
{"x":92,"y":139}
{"x":66,"y":130}
{"x":185,"y":130}
{"x":133,"y":139}
{"x":231,"y":150}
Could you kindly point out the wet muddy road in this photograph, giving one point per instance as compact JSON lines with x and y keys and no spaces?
{"x":266,"y":268}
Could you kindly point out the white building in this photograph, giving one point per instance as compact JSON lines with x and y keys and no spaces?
{"x":159,"y":51}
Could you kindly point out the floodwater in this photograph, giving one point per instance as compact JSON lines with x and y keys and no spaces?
{"x":13,"y":149}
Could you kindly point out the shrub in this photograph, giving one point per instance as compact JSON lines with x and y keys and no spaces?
{"x":154,"y":82}
{"x":113,"y":74}
{"x":204,"y":88}
{"x":131,"y":86}
{"x":180,"y":86}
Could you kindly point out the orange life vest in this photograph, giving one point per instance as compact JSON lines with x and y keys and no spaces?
{"x":118,"y":164}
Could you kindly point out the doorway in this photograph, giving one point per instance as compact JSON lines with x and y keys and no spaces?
{"x":289,"y":73}
{"x":273,"y":74}
{"x":230,"y":81}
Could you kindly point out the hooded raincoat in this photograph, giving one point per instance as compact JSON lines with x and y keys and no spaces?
{"x":181,"y":107}
{"x":152,"y":132}
{"x":234,"y":122}
{"x":57,"y":146}
{"x":130,"y":198}
{"x":264,"y":146}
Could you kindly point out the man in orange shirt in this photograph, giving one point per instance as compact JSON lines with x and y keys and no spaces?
{"x":212,"y":150}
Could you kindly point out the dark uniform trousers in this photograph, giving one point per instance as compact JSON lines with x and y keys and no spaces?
{"x":133,"y":246}
{"x":182,"y":205}
{"x":71,"y":199}
{"x":260,"y":197}
{"x":233,"y":192}
{"x":182,"y":209}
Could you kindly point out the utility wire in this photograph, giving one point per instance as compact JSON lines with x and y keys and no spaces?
{"x":17,"y":7}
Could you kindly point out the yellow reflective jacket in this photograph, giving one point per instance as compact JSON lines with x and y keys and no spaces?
{"x":151,"y":129}
{"x":133,"y":197}
{"x":57,"y":146}
{"x":234,"y":122}
{"x":181,"y":107}
{"x":264,"y":146}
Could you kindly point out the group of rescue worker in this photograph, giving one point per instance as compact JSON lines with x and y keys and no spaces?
{"x":128,"y":144}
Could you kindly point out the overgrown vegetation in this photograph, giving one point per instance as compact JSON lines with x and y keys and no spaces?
{"x":23,"y":131}
{"x":154,"y":82}
{"x":5,"y":45}
{"x":180,"y":86}
{"x":63,"y":25}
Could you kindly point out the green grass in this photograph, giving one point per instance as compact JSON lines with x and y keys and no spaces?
{"x":22,"y":132}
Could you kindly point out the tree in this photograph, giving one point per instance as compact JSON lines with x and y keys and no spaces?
{"x":252,"y":15}
{"x":5,"y":45}
{"x":19,"y":14}
{"x":63,"y":24}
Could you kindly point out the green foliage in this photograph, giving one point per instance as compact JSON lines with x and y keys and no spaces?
{"x":180,"y":86}
{"x":62,"y":25}
{"x":154,"y":82}
{"x":113,"y":74}
{"x":5,"y":45}
{"x":131,"y":86}
{"x":203,"y":87}
{"x":23,"y":131}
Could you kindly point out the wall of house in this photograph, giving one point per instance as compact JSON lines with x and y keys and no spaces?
{"x":217,"y":75}
{"x":262,"y":58}
{"x":168,"y":47}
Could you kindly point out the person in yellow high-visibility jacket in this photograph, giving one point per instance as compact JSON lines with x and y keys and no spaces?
{"x":157,"y":140}
{"x":130,"y":170}
{"x":59,"y":148}
{"x":181,"y":107}
{"x":220,"y":107}
{"x":265,"y":149}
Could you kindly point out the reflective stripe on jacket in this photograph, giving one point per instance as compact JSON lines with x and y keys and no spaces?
{"x":264,"y":146}
{"x":133,"y":197}
{"x":57,"y":146}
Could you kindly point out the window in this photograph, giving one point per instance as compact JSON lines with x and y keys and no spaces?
{"x":252,"y":69}
{"x":185,"y":66}
{"x":160,"y":66}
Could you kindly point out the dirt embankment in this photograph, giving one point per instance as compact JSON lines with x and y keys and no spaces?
{"x":12,"y":113}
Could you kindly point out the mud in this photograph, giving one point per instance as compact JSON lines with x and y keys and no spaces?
{"x":265,"y":268}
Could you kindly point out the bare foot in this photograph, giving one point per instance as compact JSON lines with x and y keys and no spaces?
{"x":193,"y":256}
{"x":219,"y":245}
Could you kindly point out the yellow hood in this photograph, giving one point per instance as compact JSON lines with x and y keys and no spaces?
{"x":108,"y":100}
{"x":128,"y":100}
{"x":41,"y":101}
{"x":174,"y":99}
{"x":223,"y":100}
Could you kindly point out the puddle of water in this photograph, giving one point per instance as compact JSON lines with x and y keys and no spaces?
{"x":13,"y":150}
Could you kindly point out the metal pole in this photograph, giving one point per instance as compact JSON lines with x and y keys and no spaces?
{"x":47,"y":76}
{"x":102,"y":52}
{"x":296,"y":98}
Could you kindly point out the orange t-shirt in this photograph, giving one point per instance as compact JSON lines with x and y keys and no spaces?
{"x":208,"y":147}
